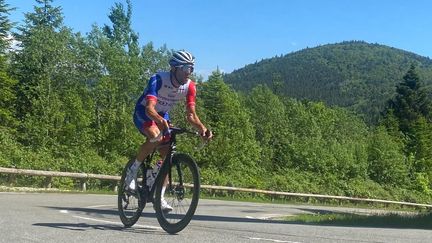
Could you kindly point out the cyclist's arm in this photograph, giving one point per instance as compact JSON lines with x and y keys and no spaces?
{"x":194,"y":120}
{"x":152,"y":114}
{"x":191,"y":114}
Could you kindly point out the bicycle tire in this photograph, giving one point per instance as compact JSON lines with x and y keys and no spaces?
{"x":179,"y":195}
{"x":130,"y":204}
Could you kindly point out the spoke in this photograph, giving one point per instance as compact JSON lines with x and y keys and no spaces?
{"x":181,"y":195}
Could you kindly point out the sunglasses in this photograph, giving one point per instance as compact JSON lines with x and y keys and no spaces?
{"x":187,"y":68}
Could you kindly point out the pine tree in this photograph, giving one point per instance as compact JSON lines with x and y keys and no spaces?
{"x":7,"y":92}
{"x":39,"y":53}
{"x":411,"y":101}
{"x":49,"y":98}
{"x":5,"y":26}
{"x":411,"y":109}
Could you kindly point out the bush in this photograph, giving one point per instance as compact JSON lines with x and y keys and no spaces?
{"x":366,"y":188}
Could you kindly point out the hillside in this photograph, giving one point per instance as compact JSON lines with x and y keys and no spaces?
{"x":355,"y":74}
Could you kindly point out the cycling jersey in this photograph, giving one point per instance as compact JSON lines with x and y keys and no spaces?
{"x":161,"y":89}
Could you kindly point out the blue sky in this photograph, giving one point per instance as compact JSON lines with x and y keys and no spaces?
{"x":230,"y":34}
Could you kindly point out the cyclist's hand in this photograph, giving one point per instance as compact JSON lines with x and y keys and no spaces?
{"x":206,"y":134}
{"x":164,"y":125}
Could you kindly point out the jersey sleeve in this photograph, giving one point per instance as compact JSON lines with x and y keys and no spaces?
{"x":152,"y":88}
{"x":191,"y":94}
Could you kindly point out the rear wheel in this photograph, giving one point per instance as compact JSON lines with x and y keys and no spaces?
{"x":130,"y":203}
{"x":181,"y":193}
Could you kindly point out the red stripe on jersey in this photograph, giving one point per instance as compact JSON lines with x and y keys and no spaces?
{"x":191,"y":94}
{"x":151,"y":97}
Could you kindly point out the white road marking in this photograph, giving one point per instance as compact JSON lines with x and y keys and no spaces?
{"x":272,"y":240}
{"x":260,"y":218}
{"x":109,"y":222}
{"x":99,"y":206}
{"x":117,"y":223}
{"x":264,"y":217}
{"x":250,"y":217}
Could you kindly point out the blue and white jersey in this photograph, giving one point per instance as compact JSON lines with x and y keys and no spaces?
{"x":166,"y":95}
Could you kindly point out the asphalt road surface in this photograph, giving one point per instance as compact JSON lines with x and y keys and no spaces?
{"x":55,"y":217}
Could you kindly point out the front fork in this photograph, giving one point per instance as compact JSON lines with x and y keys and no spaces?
{"x":177,"y":190}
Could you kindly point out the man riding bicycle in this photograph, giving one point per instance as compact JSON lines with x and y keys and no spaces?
{"x":163,"y":91}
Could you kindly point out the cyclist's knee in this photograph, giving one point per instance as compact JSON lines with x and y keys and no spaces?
{"x":151,"y":132}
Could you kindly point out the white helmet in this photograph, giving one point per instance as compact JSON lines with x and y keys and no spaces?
{"x":180,"y":58}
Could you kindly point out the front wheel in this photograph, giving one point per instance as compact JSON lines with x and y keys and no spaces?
{"x":182,"y":186}
{"x":130,"y":203}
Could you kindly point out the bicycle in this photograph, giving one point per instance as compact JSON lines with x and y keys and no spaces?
{"x":179,"y":173}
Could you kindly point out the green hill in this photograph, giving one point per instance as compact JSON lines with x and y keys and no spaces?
{"x":354,"y":74}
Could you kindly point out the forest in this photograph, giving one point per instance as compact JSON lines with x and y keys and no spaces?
{"x":356,"y":75}
{"x":67,"y":100}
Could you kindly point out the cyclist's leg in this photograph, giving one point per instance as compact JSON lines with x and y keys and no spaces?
{"x":147,"y":148}
{"x":149,"y":129}
{"x":164,"y":149}
{"x":163,"y":152}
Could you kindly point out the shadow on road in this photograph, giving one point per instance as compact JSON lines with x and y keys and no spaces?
{"x":84,"y":227}
{"x":100,"y":213}
{"x":376,"y":221}
{"x":80,"y":226}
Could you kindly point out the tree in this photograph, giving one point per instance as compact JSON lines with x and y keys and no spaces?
{"x":118,"y":83}
{"x":412,"y":110}
{"x":50,"y":107}
{"x":234,"y":150}
{"x":38,"y":54}
{"x":411,"y":101}
{"x":387,"y":162}
{"x":5,"y":26}
{"x":7,"y":96}
{"x":423,"y":144}
{"x":273,"y":133}
{"x":328,"y":141}
{"x":7,"y":92}
{"x":121,"y":33}
{"x":154,"y":60}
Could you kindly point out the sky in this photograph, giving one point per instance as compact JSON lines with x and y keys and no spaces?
{"x":229,"y":34}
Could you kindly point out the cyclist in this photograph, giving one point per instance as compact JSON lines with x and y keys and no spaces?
{"x":163,"y":91}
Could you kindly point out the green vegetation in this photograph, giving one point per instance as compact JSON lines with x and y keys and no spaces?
{"x":67,"y":100}
{"x":392,"y":220}
{"x":352,"y":74}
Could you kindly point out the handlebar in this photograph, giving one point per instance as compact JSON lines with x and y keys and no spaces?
{"x":173,"y":131}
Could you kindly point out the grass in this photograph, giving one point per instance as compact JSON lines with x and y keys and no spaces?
{"x":389,"y":220}
{"x":247,"y":197}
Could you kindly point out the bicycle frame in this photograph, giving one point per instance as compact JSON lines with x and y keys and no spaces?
{"x":167,"y":162}
{"x":168,"y":180}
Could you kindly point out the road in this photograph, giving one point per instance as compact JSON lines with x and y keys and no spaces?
{"x":55,"y":217}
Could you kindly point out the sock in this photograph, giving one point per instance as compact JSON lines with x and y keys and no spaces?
{"x":163,"y":192}
{"x":135,"y":166}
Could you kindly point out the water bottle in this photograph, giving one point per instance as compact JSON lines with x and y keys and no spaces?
{"x":149,"y":177}
{"x":152,"y":173}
